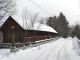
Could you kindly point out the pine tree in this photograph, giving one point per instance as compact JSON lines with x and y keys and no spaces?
{"x":63,"y":26}
{"x":76,"y":31}
{"x":60,"y":24}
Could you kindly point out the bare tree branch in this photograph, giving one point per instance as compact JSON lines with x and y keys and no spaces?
{"x":6,"y":8}
{"x":29,"y":19}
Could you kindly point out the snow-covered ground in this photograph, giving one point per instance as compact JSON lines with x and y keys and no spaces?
{"x":61,"y":49}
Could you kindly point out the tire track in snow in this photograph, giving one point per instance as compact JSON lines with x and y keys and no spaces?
{"x":62,"y":53}
{"x":46,"y":55}
{"x":57,"y":51}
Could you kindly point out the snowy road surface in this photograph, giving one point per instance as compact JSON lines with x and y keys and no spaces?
{"x":61,"y":49}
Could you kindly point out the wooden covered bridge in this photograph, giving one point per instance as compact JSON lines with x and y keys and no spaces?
{"x":12,"y":31}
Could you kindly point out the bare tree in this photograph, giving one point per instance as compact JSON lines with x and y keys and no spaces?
{"x":43,"y":20}
{"x":29,"y":19}
{"x":34,"y":20}
{"x":6,"y":8}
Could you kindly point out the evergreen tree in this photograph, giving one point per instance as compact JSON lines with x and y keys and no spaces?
{"x":52,"y":21}
{"x":63,"y":25}
{"x":76,"y":31}
{"x":60,"y":24}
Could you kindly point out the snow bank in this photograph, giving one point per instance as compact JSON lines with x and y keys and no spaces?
{"x":75,"y":43}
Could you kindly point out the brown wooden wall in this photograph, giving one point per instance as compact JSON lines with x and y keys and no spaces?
{"x":9,"y":28}
{"x":33,"y":35}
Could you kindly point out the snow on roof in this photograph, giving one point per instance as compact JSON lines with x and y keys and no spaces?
{"x":43,"y":27}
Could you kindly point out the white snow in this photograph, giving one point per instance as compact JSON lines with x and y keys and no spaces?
{"x":61,"y":49}
{"x":76,"y":45}
{"x":43,"y":27}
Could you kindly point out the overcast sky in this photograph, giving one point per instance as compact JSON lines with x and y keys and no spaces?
{"x":70,"y":8}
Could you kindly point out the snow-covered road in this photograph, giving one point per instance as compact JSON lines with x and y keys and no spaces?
{"x":61,"y":49}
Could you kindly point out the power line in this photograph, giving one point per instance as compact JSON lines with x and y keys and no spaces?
{"x":40,"y":7}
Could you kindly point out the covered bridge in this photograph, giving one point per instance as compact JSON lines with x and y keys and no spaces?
{"x":12,"y":30}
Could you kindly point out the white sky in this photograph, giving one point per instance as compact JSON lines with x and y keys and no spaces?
{"x":70,"y":8}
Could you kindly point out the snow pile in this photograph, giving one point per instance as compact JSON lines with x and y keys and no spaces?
{"x":60,"y":49}
{"x":76,"y":44}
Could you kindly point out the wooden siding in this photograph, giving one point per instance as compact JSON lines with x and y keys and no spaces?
{"x":33,"y":35}
{"x":9,"y":28}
